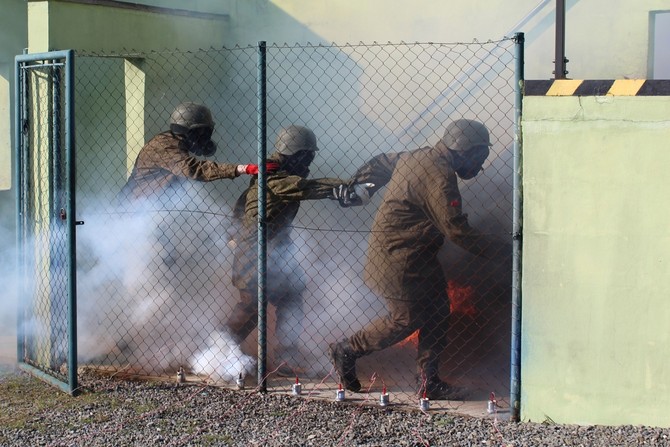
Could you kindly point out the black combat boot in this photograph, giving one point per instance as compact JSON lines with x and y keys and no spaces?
{"x":436,"y":389}
{"x":433,"y":387}
{"x":344,"y":361}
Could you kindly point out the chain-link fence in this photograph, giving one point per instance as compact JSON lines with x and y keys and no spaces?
{"x":156,"y":286}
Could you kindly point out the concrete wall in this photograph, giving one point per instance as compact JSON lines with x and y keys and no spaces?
{"x":596,"y":241}
{"x":70,"y":25}
{"x":13,"y":35}
{"x":605,"y":39}
{"x":13,"y":32}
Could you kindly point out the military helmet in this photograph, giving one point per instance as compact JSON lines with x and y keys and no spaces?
{"x":189,"y":115}
{"x":294,"y":139}
{"x":464,"y":134}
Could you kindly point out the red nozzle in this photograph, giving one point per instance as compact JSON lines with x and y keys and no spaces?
{"x":296,"y":380}
{"x":340,"y":387}
{"x":492,"y":396}
{"x":384,"y":390}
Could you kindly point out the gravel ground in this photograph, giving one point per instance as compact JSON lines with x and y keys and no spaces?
{"x":112,"y":412}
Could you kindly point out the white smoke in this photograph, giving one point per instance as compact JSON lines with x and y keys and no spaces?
{"x":153,"y":285}
{"x":222,"y":360}
{"x":154,"y":289}
{"x":8,"y":278}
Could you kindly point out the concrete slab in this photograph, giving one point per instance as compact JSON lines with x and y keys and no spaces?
{"x":326,"y":389}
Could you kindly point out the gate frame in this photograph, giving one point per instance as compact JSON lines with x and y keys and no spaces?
{"x":65,"y":58}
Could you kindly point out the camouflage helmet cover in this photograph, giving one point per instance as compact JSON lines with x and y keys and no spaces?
{"x":464,"y":134}
{"x":294,"y":139}
{"x":190,"y":115}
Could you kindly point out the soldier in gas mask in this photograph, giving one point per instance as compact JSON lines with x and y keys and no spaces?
{"x":161,"y":193}
{"x":295,"y":149}
{"x":171,"y":158}
{"x":421,"y":206}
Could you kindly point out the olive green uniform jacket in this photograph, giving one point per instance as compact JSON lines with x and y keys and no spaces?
{"x":421,"y":206}
{"x":284,"y":194}
{"x":286,"y":280}
{"x":164,"y":163}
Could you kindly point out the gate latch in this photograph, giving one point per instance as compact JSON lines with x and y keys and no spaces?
{"x":63,"y":216}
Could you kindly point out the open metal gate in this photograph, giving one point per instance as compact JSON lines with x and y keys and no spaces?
{"x":44,"y":138}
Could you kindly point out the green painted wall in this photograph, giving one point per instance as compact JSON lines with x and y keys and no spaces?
{"x":13,"y":39}
{"x":596,"y":260}
{"x":13,"y":35}
{"x":55,"y":25}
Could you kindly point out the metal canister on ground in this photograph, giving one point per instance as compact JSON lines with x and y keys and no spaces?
{"x":340,"y":394}
{"x":297,"y":388}
{"x":181,"y":376}
{"x":424,"y":404}
{"x":492,"y":404}
{"x":384,"y":399}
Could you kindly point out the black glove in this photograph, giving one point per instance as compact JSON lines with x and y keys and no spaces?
{"x":343,"y":194}
{"x":352,"y":195}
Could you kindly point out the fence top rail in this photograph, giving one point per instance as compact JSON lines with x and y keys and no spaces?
{"x":51,"y":55}
{"x":131,"y":53}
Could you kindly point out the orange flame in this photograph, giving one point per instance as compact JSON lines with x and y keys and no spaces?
{"x":413,"y":339}
{"x":461,"y":302}
{"x":462,"y":299}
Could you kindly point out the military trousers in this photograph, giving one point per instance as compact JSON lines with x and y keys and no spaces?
{"x":289,"y":325}
{"x":427,"y":312}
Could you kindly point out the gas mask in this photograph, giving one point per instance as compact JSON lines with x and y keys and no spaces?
{"x":298,"y":163}
{"x":200,"y":142}
{"x":468,"y":164}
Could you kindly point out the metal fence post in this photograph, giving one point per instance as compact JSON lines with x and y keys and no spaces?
{"x":70,"y":184}
{"x":262,"y":227}
{"x":19,"y":119}
{"x":517,"y":203}
{"x":559,"y":59}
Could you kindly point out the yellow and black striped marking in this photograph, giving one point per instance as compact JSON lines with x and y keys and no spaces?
{"x":618,"y":87}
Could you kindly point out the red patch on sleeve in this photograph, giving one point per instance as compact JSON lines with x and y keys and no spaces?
{"x":455,"y":203}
